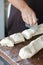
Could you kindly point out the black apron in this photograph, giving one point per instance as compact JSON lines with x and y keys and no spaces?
{"x":15,"y":22}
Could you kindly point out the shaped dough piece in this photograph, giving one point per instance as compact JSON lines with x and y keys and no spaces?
{"x":40,"y":30}
{"x":32,"y":48}
{"x":18,"y":37}
{"x":34,"y":27}
{"x":7,"y":42}
{"x":29,"y":33}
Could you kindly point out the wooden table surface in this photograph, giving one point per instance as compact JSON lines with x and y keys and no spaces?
{"x":11,"y":54}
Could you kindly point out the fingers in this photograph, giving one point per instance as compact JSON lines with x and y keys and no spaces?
{"x":34,"y":19}
{"x":29,"y":18}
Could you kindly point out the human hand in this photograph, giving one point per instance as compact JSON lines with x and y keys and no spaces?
{"x":29,"y":16}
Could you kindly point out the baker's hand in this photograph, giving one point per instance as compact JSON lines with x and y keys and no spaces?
{"x":29,"y":16}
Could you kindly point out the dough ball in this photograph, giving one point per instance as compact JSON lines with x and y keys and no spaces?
{"x":28,"y":33}
{"x":6,"y":42}
{"x":17,"y":37}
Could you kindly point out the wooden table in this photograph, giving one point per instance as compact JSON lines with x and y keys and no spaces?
{"x":11,"y":54}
